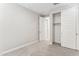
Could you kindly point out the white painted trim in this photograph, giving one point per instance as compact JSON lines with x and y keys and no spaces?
{"x":21,"y":46}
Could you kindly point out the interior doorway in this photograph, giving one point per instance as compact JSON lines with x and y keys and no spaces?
{"x":57,"y":28}
{"x":44,"y":29}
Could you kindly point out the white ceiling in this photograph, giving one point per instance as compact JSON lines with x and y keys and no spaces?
{"x":44,"y":8}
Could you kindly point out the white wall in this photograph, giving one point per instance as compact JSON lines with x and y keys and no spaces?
{"x":18,"y":26}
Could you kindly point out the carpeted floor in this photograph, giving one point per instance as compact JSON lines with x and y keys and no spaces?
{"x":43,"y":49}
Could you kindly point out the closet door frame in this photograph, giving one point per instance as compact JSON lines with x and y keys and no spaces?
{"x":54,"y":28}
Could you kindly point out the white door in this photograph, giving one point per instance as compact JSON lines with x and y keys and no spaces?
{"x":77,"y":23}
{"x":43,"y":22}
{"x":68,"y":29}
{"x":42,"y":28}
{"x":46,"y":29}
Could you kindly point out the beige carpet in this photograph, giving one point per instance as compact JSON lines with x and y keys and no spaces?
{"x":43,"y":49}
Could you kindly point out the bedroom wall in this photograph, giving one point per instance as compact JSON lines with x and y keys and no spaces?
{"x":18,"y":26}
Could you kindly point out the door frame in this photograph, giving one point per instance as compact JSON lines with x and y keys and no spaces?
{"x":54,"y":28}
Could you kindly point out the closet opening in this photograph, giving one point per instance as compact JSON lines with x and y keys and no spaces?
{"x":57,"y":28}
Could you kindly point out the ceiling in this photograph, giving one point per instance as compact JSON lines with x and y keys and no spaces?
{"x":44,"y":8}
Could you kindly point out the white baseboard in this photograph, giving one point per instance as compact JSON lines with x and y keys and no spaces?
{"x":21,"y":46}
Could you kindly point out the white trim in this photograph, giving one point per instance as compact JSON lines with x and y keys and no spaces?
{"x":21,"y":46}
